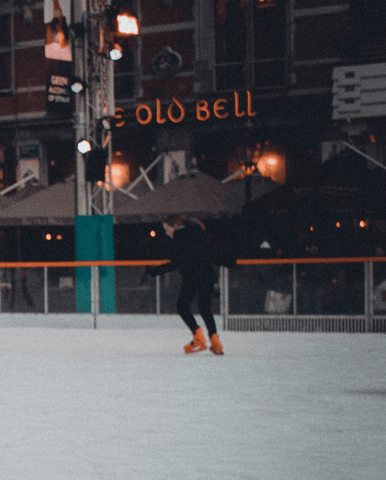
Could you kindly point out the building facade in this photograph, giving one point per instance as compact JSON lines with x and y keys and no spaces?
{"x":211,"y":80}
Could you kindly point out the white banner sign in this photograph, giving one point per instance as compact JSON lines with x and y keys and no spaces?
{"x":57,"y":17}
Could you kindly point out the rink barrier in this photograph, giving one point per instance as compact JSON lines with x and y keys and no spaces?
{"x":300,"y":323}
{"x":369,"y":322}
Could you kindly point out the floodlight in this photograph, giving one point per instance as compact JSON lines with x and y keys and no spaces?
{"x":115,"y":52}
{"x":84,"y":146}
{"x":77,"y":85}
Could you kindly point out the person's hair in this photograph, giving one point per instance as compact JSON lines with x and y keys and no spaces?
{"x":172,"y":220}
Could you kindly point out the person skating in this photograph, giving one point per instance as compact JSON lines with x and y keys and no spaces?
{"x":190,"y":255}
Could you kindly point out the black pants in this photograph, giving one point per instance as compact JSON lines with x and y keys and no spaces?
{"x":203,"y":290}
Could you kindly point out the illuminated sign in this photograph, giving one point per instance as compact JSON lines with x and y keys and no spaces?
{"x":58,"y":95}
{"x":57,"y":14}
{"x":204,"y":110}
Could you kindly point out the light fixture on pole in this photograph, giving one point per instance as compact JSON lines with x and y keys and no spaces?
{"x":120,"y":25}
{"x":106,"y":123}
{"x":84,"y":146}
{"x":115,"y":52}
{"x":77,"y":85}
{"x":127,"y":25}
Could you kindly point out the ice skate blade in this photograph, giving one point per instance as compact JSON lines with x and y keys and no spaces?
{"x":194,"y":349}
{"x":216,"y":352}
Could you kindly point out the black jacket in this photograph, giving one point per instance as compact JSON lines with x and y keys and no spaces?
{"x":189,"y":255}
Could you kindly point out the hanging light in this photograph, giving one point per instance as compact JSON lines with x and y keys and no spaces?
{"x":115,"y":52}
{"x":127,"y":25}
{"x":84,"y":146}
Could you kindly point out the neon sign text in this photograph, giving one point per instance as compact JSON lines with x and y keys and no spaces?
{"x":175,"y":113}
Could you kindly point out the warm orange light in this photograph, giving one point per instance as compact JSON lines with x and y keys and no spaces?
{"x":272,"y":164}
{"x":312,"y":229}
{"x":127,"y":24}
{"x":152,"y":233}
{"x":362,"y":224}
{"x":120,"y":172}
{"x":59,"y":237}
{"x":48,"y":236}
{"x":337,"y":224}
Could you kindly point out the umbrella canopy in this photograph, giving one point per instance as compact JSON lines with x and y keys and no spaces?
{"x":20,"y":194}
{"x":197,"y":194}
{"x":193,"y":195}
{"x":54,"y":205}
{"x":259,"y":187}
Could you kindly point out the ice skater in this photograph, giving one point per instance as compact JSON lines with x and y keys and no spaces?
{"x":190,"y":255}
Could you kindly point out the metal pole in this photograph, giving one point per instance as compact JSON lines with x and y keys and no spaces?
{"x":224,"y":295}
{"x":45,"y":290}
{"x":364,"y":155}
{"x":80,"y":47}
{"x":295,"y":289}
{"x":95,"y":293}
{"x":158,"y":294}
{"x":1,"y":288}
{"x":368,"y":296}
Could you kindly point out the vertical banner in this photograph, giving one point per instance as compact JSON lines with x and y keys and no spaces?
{"x":94,"y":240}
{"x":57,"y":18}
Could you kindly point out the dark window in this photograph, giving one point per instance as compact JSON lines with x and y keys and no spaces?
{"x":230,"y":31}
{"x":248,"y":34}
{"x":4,"y":30}
{"x":5,"y":76}
{"x":368,"y":22}
{"x":270,"y":32}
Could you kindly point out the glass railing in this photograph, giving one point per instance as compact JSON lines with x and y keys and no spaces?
{"x":289,"y":288}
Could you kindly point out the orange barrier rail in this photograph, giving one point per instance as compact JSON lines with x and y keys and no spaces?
{"x":98,"y":263}
{"x":145,"y":263}
{"x":273,"y":261}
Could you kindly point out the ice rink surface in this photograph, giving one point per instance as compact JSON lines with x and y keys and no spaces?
{"x":82,"y":404}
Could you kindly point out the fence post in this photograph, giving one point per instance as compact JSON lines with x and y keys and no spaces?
{"x":368,"y":297}
{"x":95,"y":298}
{"x":158,"y":294}
{"x":224,"y":296}
{"x":294,"y":289}
{"x":45,"y":270}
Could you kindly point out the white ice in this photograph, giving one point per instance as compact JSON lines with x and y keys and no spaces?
{"x":83,"y":404}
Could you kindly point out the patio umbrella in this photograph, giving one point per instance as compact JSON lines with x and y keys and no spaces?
{"x":259,"y":187}
{"x":196,"y":194}
{"x":54,"y":205}
{"x":20,"y":194}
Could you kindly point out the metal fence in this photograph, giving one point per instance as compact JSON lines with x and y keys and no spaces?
{"x":308,"y":295}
